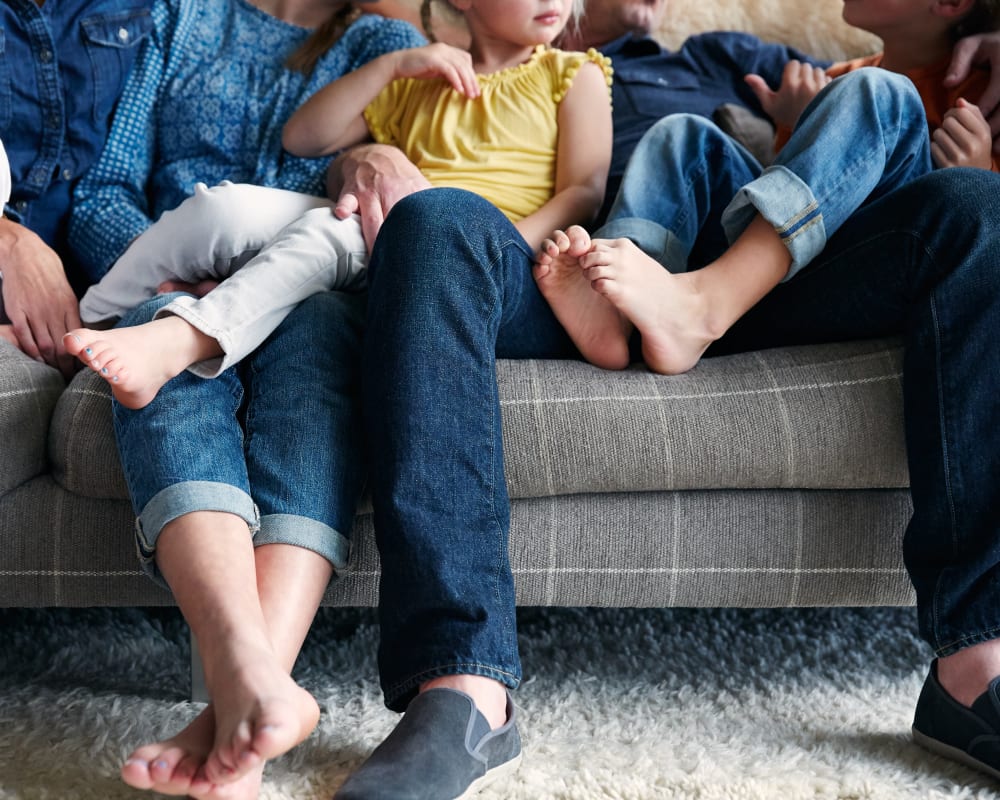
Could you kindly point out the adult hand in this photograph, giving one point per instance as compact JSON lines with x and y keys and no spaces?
{"x":964,"y":138}
{"x":800,"y":83}
{"x":983,"y":48}
{"x":37,"y":297}
{"x":369,"y":180}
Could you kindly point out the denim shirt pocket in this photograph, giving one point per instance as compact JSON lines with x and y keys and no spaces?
{"x":645,"y":92}
{"x":5,"y":97}
{"x":112,"y":42}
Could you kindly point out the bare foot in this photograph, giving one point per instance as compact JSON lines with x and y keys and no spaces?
{"x":260,"y":713}
{"x":596,"y":327}
{"x":199,"y":289}
{"x":669,"y":311}
{"x":176,"y":766}
{"x":137,"y":361}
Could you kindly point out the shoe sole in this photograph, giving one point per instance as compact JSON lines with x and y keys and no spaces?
{"x":494,"y":774}
{"x":953,"y":753}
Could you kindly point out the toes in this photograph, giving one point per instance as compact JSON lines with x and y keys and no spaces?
{"x":135,"y":772}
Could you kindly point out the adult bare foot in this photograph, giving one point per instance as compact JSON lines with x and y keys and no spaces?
{"x":596,"y":327}
{"x":137,"y":361}
{"x":175,"y":766}
{"x":673,"y":316}
{"x":260,"y":712}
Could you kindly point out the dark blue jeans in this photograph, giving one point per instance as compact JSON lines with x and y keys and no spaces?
{"x":451,"y":290}
{"x":275,"y":440}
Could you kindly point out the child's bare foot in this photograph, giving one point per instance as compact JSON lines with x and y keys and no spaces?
{"x":137,"y":361}
{"x":596,"y":327}
{"x":672,"y":315}
{"x":176,"y":766}
{"x":260,"y":713}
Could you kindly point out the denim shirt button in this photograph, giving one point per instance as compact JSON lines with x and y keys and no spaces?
{"x":20,"y":205}
{"x":123,"y":35}
{"x":45,"y":56}
{"x":67,"y":174}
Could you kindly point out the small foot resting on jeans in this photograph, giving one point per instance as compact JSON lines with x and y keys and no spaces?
{"x":442,"y":749}
{"x":137,"y":361}
{"x":175,"y":766}
{"x":596,"y":327}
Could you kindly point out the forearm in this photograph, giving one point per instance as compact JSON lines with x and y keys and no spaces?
{"x":333,"y":118}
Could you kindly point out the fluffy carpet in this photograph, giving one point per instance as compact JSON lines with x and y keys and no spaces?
{"x":625,"y":704}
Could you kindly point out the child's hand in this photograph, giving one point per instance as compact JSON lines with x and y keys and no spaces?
{"x":439,"y":60}
{"x":964,"y":138}
{"x":800,"y":83}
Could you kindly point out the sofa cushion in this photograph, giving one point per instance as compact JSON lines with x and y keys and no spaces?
{"x":824,"y":417}
{"x":28,"y":394}
{"x":816,"y":417}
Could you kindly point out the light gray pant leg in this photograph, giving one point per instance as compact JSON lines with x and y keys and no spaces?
{"x":5,"y":186}
{"x":208,"y":236}
{"x":315,"y":253}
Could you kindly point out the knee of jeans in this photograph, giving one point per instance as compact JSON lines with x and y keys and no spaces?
{"x":145,"y":311}
{"x":325,"y":321}
{"x":427,"y":232}
{"x":882,"y":87}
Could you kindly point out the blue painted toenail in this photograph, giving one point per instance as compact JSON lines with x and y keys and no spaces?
{"x":88,"y":351}
{"x":104,"y":370}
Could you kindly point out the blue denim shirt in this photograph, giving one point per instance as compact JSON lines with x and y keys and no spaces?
{"x":62,"y":66}
{"x":651,"y":82}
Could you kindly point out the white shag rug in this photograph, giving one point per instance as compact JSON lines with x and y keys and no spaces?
{"x":627,"y":704}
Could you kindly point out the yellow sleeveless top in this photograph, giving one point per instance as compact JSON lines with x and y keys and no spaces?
{"x":500,"y":145}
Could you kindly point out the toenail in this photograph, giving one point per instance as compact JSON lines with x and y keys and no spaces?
{"x":104,"y":370}
{"x":88,"y":350}
{"x":115,"y":379}
{"x":161,"y":765}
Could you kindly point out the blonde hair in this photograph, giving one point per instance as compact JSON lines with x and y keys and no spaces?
{"x":304,"y":59}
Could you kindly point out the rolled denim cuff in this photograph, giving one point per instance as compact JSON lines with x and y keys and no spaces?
{"x":184,"y":498}
{"x":784,"y":200}
{"x":307,"y":533}
{"x":653,"y":239}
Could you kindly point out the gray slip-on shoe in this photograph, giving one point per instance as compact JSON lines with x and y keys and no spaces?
{"x":970,"y":736}
{"x":442,"y":749}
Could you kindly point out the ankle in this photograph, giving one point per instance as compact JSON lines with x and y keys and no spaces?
{"x":967,"y":674}
{"x":490,"y":696}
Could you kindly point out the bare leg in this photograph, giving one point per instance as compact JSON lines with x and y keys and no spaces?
{"x":680,"y":315}
{"x":253,"y":634}
{"x":596,"y":327}
{"x":967,"y":674}
{"x":137,"y":361}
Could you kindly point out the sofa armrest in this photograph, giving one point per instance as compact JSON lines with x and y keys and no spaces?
{"x":28,"y":394}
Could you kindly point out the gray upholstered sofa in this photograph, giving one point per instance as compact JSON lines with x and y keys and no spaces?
{"x":766,"y":479}
{"x":771,"y":478}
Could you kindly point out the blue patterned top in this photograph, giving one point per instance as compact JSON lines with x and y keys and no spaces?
{"x":206,"y":101}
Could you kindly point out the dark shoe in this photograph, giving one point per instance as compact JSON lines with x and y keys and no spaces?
{"x":442,"y":749}
{"x":969,"y":735}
